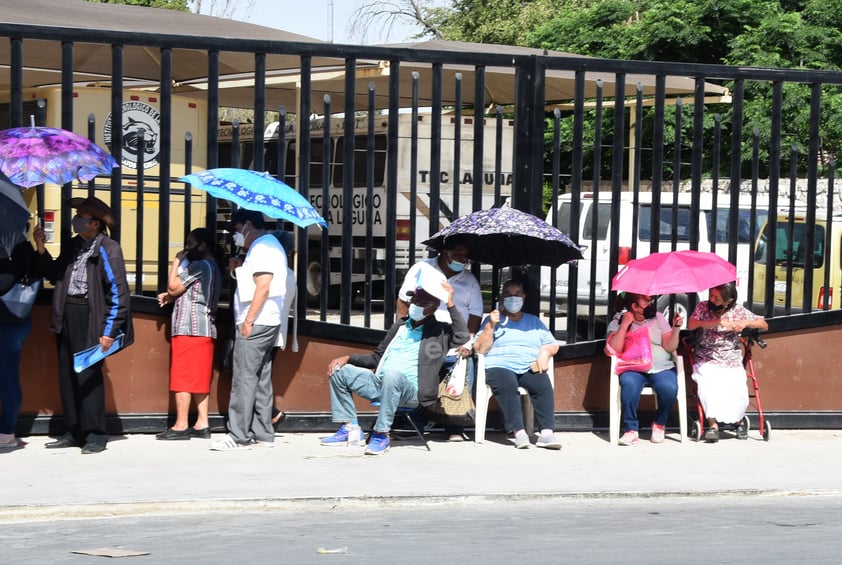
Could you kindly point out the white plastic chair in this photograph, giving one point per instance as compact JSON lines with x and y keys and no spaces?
{"x":483,"y":395}
{"x":615,"y":407}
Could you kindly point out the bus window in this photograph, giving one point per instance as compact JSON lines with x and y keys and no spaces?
{"x":360,"y":161}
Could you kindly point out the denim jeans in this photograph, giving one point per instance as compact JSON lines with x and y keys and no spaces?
{"x":392,"y":389}
{"x":665,"y":385}
{"x":12,"y":337}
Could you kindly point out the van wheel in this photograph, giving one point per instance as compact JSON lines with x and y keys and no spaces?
{"x":681,"y":308}
{"x":314,"y":284}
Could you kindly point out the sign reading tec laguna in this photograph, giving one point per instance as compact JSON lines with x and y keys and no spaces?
{"x":137,"y":117}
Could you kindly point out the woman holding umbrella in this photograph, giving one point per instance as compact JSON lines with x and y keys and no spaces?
{"x":636,"y":312}
{"x":718,"y":360}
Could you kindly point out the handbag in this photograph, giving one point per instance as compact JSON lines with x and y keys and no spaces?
{"x":637,"y":352}
{"x":16,"y":304}
{"x":454,"y":407}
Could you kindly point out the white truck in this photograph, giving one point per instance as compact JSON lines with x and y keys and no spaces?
{"x":464,"y":175}
{"x":596,"y":247}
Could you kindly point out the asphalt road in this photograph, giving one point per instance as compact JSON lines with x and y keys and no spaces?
{"x":713,"y":529}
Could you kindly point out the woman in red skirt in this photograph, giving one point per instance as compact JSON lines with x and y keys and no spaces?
{"x":193,"y":286}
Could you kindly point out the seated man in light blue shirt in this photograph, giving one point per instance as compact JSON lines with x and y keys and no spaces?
{"x":402,"y":371}
{"x":518,"y":347}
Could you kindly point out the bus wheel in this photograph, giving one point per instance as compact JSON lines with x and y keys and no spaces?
{"x":314,"y":285}
{"x":681,"y":308}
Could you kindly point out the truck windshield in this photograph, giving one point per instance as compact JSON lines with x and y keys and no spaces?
{"x":792,"y":244}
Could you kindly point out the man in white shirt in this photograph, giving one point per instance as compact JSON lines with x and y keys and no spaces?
{"x":258,"y":304}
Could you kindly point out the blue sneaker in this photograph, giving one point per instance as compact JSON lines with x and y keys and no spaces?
{"x":378,"y":444}
{"x":338,"y":438}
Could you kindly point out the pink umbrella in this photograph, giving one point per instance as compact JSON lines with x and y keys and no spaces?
{"x":674,"y":272}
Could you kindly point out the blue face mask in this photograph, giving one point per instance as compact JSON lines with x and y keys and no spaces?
{"x":513,"y":304}
{"x":456,"y":266}
{"x":416,"y":313}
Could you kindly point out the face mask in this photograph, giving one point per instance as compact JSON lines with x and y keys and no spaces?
{"x":194,"y":254}
{"x":79,"y":224}
{"x":715,"y":307}
{"x":416,"y":313}
{"x":650,"y":311}
{"x":239,"y":239}
{"x":456,"y":266}
{"x":513,"y":304}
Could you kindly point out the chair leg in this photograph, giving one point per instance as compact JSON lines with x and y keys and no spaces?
{"x":481,"y":413}
{"x":528,"y":414}
{"x":419,"y":432}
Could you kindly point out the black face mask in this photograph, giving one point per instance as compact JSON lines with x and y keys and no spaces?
{"x":715,"y":307}
{"x":650,"y":311}
{"x":194,"y":254}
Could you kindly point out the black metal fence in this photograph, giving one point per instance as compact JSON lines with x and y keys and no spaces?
{"x":570,"y":132}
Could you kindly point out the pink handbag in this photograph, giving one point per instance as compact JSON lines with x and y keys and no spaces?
{"x":637,"y":352}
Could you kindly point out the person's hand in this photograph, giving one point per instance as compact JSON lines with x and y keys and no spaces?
{"x":449,"y":289}
{"x":627,"y":319}
{"x":542,"y":362}
{"x":494,"y":317}
{"x":234,"y":262}
{"x":181,"y":255}
{"x":463,"y":351}
{"x":164,"y":298}
{"x":40,"y":238}
{"x":677,"y":321}
{"x":337,"y":364}
{"x":246,"y":328}
{"x":105,"y":342}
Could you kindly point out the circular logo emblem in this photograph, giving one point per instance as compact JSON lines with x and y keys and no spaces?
{"x":138,"y":118}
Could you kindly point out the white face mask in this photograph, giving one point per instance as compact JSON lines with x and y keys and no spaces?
{"x":239,"y":239}
{"x":416,"y":313}
{"x":513,"y":304}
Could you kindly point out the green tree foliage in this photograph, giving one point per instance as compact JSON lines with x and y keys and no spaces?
{"x":799,"y":34}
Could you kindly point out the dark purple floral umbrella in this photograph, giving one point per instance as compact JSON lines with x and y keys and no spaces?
{"x":35,"y":155}
{"x":505,"y":237}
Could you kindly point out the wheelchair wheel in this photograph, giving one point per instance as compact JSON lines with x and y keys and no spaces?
{"x":696,"y":431}
{"x":767,"y":430}
{"x":747,"y":423}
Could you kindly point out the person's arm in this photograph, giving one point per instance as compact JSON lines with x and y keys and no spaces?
{"x":548,"y":350}
{"x":670,"y":339}
{"x":262,"y":281}
{"x":116,"y":292}
{"x":485,"y":338}
{"x":618,"y":338}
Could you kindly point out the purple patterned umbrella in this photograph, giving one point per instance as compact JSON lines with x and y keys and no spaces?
{"x":505,"y":236}
{"x":34,"y":155}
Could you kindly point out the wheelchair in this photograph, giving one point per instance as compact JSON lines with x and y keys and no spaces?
{"x":748,"y":339}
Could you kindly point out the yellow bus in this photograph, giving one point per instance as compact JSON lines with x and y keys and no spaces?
{"x":140,"y":111}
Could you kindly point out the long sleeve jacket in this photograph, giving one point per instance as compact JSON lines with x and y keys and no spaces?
{"x":108,"y":289}
{"x":436,"y":339}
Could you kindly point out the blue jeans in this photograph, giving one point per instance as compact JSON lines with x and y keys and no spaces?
{"x":392,"y":389}
{"x":665,"y":385}
{"x":12,"y":337}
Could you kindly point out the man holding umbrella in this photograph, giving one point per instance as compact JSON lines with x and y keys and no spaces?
{"x":258,"y":304}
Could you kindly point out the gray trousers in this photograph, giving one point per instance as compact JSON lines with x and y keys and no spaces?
{"x":250,"y":407}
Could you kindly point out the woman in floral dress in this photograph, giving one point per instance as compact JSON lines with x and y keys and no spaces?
{"x":718,"y":359}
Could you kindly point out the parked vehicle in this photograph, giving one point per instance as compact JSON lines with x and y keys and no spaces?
{"x":792,"y":254}
{"x":674,"y":220}
{"x":140,"y":112}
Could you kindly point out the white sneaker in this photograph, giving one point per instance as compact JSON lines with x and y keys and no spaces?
{"x":8,"y":440}
{"x":631,"y":437}
{"x":262,"y":444}
{"x":356,"y":436}
{"x":229,"y":444}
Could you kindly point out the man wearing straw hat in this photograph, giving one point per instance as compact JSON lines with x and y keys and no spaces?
{"x":90,"y":307}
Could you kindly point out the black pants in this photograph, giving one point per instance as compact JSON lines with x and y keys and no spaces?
{"x":82,"y":394}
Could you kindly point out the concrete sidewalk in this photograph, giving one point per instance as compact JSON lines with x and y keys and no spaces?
{"x":138,"y":474}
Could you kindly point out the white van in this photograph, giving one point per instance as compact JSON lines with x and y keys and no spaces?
{"x":600,"y":244}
